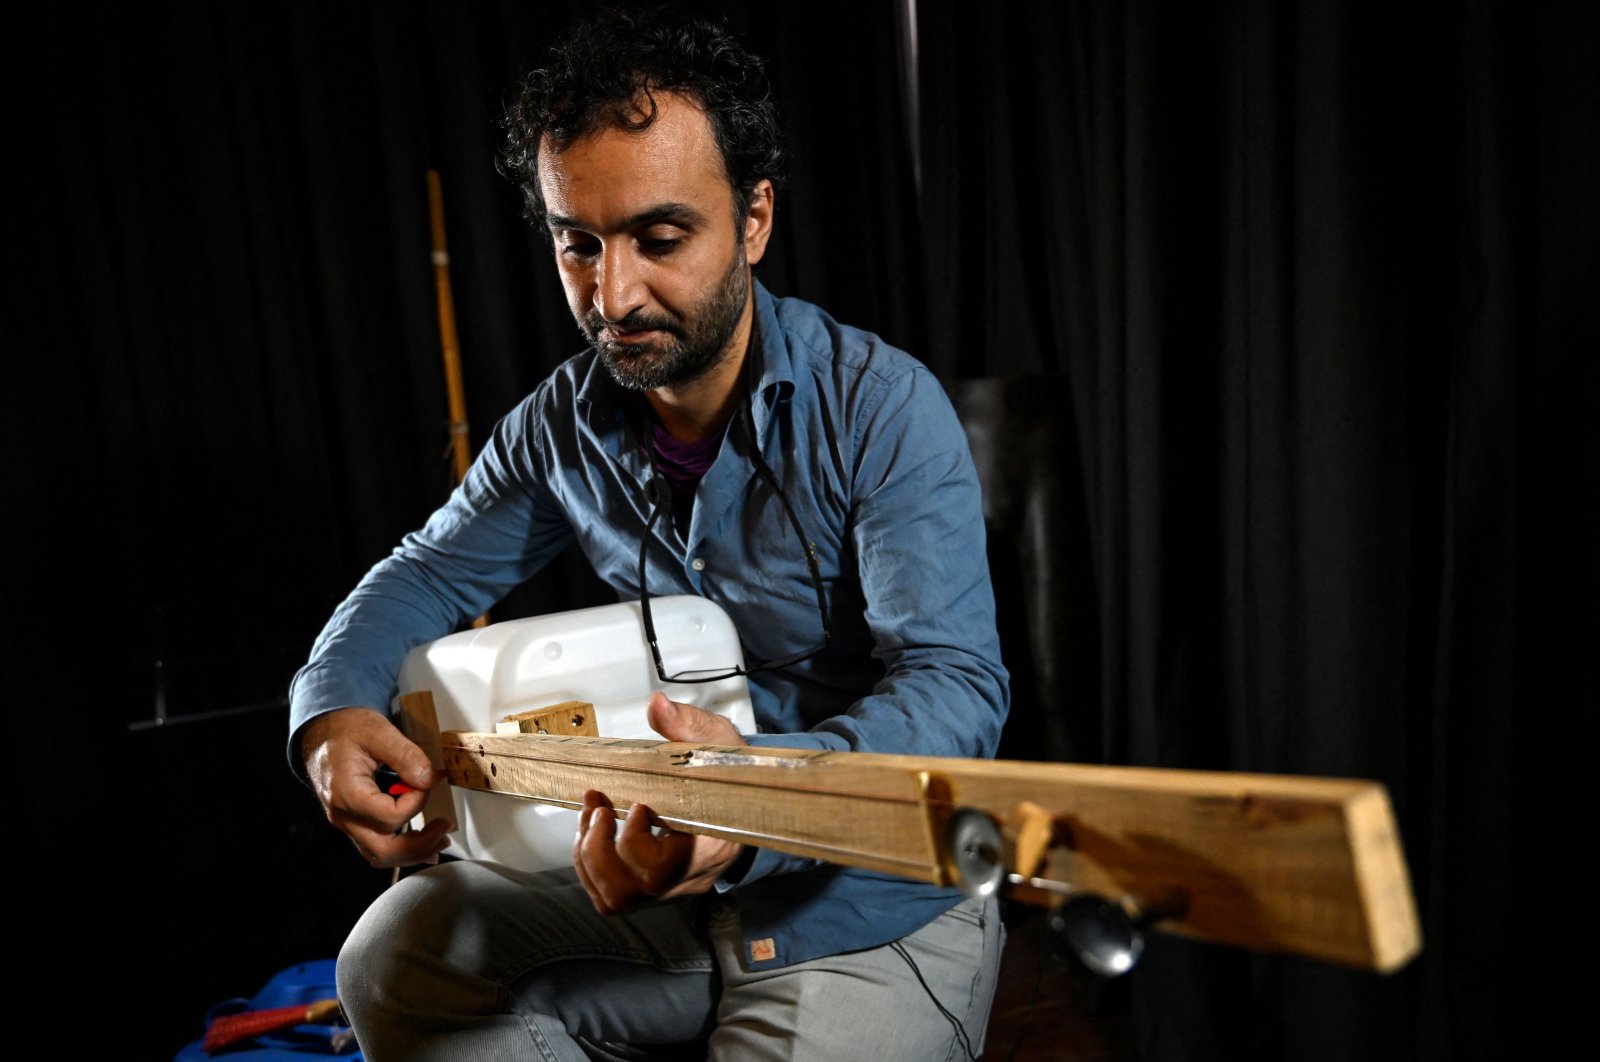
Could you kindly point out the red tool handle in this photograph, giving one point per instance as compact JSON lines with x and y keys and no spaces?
{"x":236,"y":1028}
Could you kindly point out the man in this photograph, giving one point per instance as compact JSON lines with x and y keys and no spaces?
{"x":716,"y":441}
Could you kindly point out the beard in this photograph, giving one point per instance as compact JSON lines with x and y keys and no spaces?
{"x":691,"y":345}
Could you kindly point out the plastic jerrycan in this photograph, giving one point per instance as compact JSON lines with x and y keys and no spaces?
{"x":599,"y":655}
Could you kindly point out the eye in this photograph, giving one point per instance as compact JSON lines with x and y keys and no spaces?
{"x":660,"y":246}
{"x":579,"y":248}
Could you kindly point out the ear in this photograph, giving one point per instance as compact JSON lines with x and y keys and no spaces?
{"x":758,"y":226}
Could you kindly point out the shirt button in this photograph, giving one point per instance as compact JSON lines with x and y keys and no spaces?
{"x":698,"y":564}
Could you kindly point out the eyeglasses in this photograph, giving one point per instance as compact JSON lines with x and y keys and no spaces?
{"x":660,"y":492}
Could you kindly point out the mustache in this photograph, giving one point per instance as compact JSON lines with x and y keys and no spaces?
{"x":635,"y":321}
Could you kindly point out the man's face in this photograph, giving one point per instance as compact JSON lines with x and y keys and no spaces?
{"x":644,"y":223}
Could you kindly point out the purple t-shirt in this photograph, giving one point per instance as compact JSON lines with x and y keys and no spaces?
{"x":683,"y":463}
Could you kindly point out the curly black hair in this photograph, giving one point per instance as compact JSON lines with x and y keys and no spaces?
{"x":608,"y":68}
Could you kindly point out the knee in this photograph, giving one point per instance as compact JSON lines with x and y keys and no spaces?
{"x":395,"y":949}
{"x":369,"y":945}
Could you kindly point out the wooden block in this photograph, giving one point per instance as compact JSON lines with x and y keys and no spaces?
{"x":572,"y":718}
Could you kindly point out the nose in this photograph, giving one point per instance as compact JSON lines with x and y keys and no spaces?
{"x":619,"y":285}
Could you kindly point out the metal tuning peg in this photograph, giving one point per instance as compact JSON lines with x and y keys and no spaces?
{"x":972,"y":852}
{"x":1108,"y":936}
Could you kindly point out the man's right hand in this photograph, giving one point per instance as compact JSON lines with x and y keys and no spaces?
{"x":342,"y":750}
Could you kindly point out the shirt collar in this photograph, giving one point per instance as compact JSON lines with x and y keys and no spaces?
{"x":772,"y":369}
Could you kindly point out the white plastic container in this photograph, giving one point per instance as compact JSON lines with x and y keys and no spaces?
{"x":599,"y":655}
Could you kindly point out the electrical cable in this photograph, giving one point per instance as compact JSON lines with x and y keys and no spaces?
{"x":955,"y":1023}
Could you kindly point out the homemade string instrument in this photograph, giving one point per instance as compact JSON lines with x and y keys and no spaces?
{"x":547,"y":708}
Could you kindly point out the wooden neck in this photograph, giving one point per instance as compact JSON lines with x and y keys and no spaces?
{"x":1304,"y":866}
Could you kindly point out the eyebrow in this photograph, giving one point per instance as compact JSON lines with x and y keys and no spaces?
{"x":680,"y":212}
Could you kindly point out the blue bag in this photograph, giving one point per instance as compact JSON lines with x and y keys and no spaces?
{"x":304,"y":984}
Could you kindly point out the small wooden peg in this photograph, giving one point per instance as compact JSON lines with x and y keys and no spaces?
{"x":1034,"y":829}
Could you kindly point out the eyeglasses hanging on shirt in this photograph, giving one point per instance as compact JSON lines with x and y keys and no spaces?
{"x":659,"y":493}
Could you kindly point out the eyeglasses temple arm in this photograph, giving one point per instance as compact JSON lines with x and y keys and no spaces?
{"x":644,"y":594}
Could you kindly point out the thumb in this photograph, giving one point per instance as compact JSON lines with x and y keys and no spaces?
{"x":685,"y":722}
{"x":416,"y":770}
{"x":407,"y":759}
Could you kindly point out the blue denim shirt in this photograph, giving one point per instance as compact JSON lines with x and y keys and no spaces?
{"x":870,"y":454}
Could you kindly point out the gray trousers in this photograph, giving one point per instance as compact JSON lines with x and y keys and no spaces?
{"x":472,"y":961}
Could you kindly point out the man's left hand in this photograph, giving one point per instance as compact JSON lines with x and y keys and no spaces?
{"x":639,"y":866}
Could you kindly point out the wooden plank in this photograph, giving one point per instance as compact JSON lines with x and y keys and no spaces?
{"x":419,"y":721}
{"x":1306,"y":866}
{"x":879,"y":824}
{"x":1302,"y":866}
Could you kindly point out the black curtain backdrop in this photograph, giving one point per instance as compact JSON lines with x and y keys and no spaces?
{"x":1315,"y":282}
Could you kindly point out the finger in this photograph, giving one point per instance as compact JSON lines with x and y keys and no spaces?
{"x":424,"y":845}
{"x":677,"y":721}
{"x":639,"y":849}
{"x":641,"y":822}
{"x":610,"y":884}
{"x":656,"y":862}
{"x":406,"y":805}
{"x":587,"y":883}
{"x":591,"y":800}
{"x":409,"y":848}
{"x":356,"y":799}
{"x":345,"y":746}
{"x":416,"y":770}
{"x":351,"y":787}
{"x":386,"y":744}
